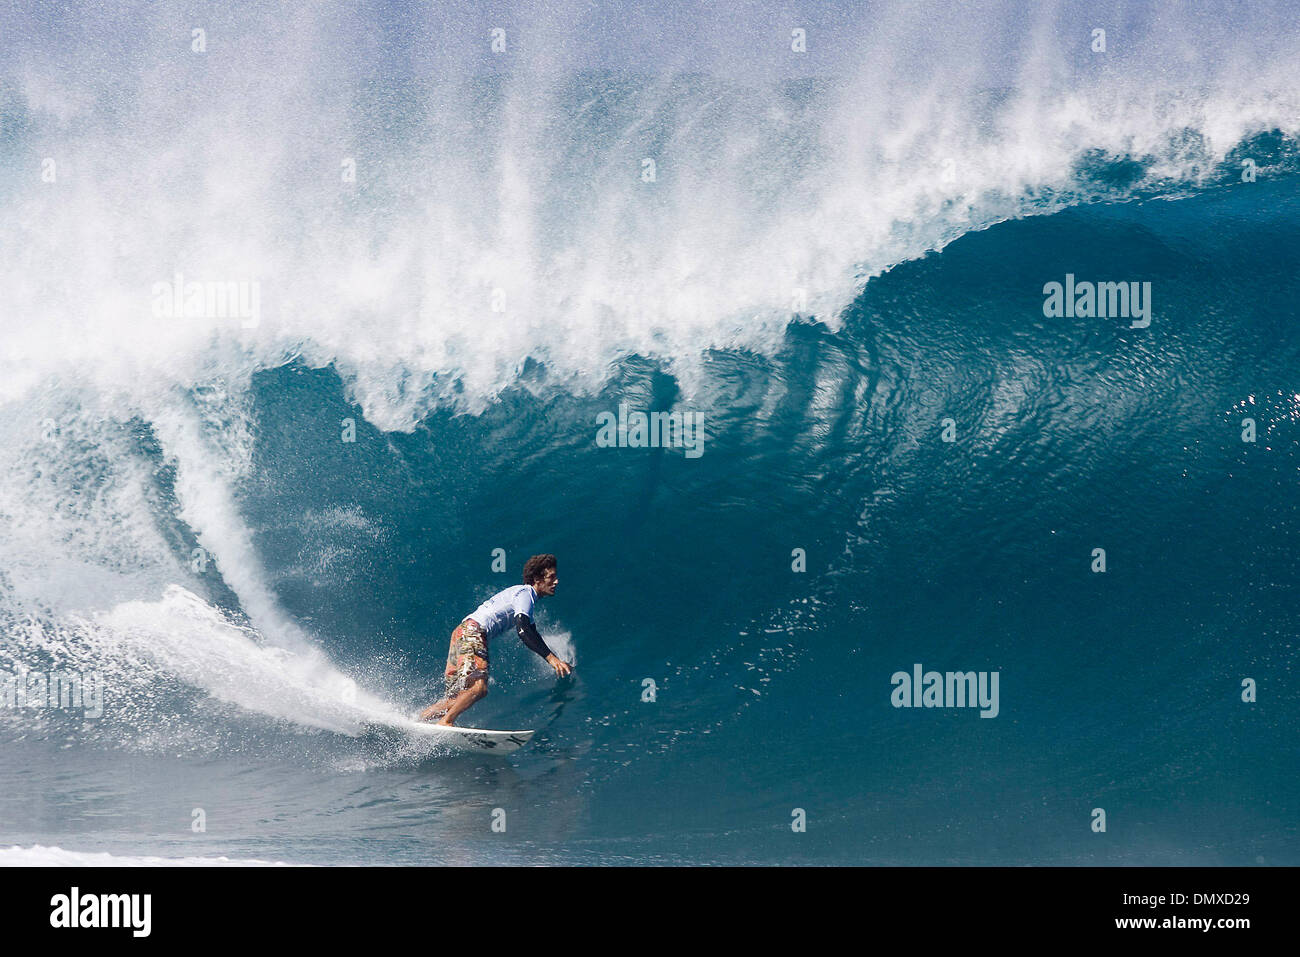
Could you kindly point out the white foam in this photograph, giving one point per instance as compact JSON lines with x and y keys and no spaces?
{"x":40,"y":856}
{"x":186,"y":638}
{"x":195,"y":169}
{"x":559,"y":641}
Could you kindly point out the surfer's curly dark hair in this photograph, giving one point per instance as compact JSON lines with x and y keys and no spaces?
{"x":537,"y":567}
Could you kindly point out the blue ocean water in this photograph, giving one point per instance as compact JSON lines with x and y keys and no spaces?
{"x":255,"y":533}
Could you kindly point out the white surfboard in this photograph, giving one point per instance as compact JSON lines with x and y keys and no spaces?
{"x":467,"y":739}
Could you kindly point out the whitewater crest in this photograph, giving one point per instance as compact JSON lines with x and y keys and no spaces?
{"x":431,"y":238}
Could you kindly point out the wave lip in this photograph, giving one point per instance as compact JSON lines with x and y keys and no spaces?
{"x":447,"y":234}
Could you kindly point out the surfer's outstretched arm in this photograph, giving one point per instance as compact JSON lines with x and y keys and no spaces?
{"x":529,"y":635}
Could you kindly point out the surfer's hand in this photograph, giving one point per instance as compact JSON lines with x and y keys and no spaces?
{"x":562,"y":668}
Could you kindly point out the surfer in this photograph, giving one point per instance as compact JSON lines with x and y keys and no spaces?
{"x":467,"y":659}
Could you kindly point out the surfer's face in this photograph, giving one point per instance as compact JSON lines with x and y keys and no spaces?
{"x":546,"y":584}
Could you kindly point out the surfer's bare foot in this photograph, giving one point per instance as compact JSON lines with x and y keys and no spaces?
{"x":446,"y":723}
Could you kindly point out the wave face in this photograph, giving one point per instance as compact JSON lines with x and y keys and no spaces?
{"x":257,"y":529}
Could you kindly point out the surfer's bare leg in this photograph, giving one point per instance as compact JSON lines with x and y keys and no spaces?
{"x":439,"y":708}
{"x":435,"y":710}
{"x":472,"y":693}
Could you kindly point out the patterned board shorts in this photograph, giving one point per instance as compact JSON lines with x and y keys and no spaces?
{"x":467,"y":643}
